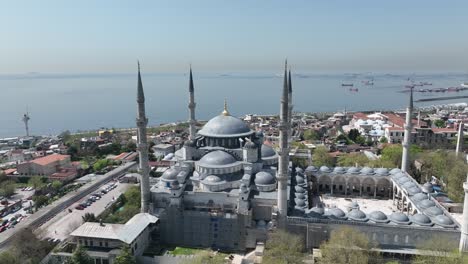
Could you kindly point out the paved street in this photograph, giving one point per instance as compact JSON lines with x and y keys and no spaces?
{"x":64,"y":223}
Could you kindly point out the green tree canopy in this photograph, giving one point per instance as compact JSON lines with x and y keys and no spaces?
{"x":439,"y":250}
{"x":347,"y":245}
{"x":353,"y":134}
{"x":7,"y":188}
{"x":37,"y":182}
{"x":56,"y":184}
{"x":351,"y":159}
{"x":125,"y":256}
{"x":80,"y":256}
{"x":439,"y":123}
{"x":321,"y":157}
{"x":312,"y":134}
{"x":89,"y":217}
{"x":284,"y":248}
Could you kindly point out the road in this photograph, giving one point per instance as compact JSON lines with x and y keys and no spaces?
{"x":64,"y":223}
{"x":46,"y":213}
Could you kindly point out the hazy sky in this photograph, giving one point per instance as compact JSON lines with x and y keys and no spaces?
{"x":108,"y":36}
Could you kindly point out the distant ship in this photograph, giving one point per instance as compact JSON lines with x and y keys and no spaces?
{"x":347,"y":84}
{"x":464,"y":85}
{"x":368,"y":82}
{"x":354,"y":89}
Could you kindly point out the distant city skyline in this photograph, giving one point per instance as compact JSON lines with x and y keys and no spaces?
{"x":339,"y":36}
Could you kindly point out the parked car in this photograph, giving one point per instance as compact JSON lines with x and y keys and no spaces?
{"x":2,"y":228}
{"x":79,"y":207}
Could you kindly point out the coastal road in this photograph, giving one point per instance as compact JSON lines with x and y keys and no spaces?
{"x":44,"y":214}
{"x":61,"y":225}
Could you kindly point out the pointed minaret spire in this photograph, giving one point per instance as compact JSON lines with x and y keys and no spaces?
{"x":290,"y":106}
{"x":460,"y":139}
{"x":405,"y":159}
{"x":191,"y":106}
{"x":283,"y":162}
{"x":142,"y":145}
{"x":225,"y":111}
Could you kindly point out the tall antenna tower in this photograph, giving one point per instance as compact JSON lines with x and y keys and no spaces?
{"x":26,"y":121}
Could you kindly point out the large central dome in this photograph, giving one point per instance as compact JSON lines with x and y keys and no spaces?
{"x":225,"y":126}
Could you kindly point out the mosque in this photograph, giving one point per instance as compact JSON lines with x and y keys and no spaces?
{"x":226,"y":190}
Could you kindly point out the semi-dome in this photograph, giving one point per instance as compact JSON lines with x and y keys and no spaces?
{"x":399,"y":218}
{"x":339,"y":170}
{"x":225,"y":126}
{"x":382,"y":171}
{"x":217,"y":158}
{"x":427,"y":187}
{"x":367,"y":171}
{"x":170,"y":174}
{"x":421,"y":219}
{"x":264,"y":178}
{"x":336,"y":213}
{"x":357,"y":215}
{"x":443,"y":221}
{"x":433,"y":211}
{"x":353,"y":170}
{"x":267,"y":151}
{"x":325,"y":169}
{"x":311,"y":169}
{"x":212,"y":179}
{"x":395,"y":171}
{"x":378,"y":217}
{"x":419,"y":197}
{"x":426,"y":204}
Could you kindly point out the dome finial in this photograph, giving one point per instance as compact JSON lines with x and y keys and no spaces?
{"x":225,"y":111}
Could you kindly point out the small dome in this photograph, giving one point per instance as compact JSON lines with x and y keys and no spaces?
{"x":267,"y":151}
{"x":378,"y":217}
{"x":382,"y":171}
{"x":353,"y":170}
{"x":433,"y":211}
{"x":170,"y":174}
{"x":299,"y":170}
{"x":318,"y":210}
{"x":264,"y":178}
{"x":402,"y":180}
{"x":299,"y":180}
{"x":421,"y":219}
{"x":168,"y":156}
{"x":426,"y":203}
{"x":367,"y":171}
{"x":212,"y":179}
{"x":408,"y":185}
{"x":414,"y":190}
{"x":300,"y":202}
{"x":357,"y":215}
{"x":336,"y":213}
{"x":398,"y":175}
{"x":259,"y":133}
{"x":400,"y":218}
{"x":395,"y":171}
{"x":299,"y":189}
{"x":325,"y":169}
{"x":311,"y":169}
{"x":299,"y":195}
{"x":443,"y":221}
{"x":427,"y":187}
{"x":190,"y":143}
{"x":419,"y":197}
{"x":250,"y":145}
{"x":225,"y":126}
{"x":339,"y":170}
{"x":217,"y":158}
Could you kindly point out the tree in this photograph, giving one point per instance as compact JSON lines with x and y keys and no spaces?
{"x":28,"y":248}
{"x":81,"y":257}
{"x":89,"y":217}
{"x":392,"y":154}
{"x":8,"y":257}
{"x":36,"y":182}
{"x":8,"y":188}
{"x":346,"y":245}
{"x":353,"y":159}
{"x":312,"y":134}
{"x":353,"y":134}
{"x":129,"y":147}
{"x":101,"y":164}
{"x":344,"y":138}
{"x":284,"y":248}
{"x":40,"y":200}
{"x":125,"y":256}
{"x":56,"y":185}
{"x":320,"y":157}
{"x":442,"y":251}
{"x":439,"y":123}
{"x":383,"y":140}
{"x":360,"y":140}
{"x":206,"y":257}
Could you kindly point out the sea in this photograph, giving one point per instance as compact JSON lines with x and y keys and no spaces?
{"x":80,"y":102}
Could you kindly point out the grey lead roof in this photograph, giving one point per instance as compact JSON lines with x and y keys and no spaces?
{"x":225,"y":126}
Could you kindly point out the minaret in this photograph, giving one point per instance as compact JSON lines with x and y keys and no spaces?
{"x":290,"y":106}
{"x":142,"y":145}
{"x":26,"y":119}
{"x":191,"y":107}
{"x":407,"y":137}
{"x":464,"y":224}
{"x":283,"y":161}
{"x":460,"y":139}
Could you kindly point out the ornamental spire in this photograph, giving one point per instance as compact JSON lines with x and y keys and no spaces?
{"x":225,"y":111}
{"x":140,"y":93}
{"x":191,"y":89}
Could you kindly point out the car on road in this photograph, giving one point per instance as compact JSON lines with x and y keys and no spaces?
{"x":2,"y":228}
{"x":79,"y":207}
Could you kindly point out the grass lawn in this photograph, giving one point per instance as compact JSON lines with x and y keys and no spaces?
{"x":184,"y":251}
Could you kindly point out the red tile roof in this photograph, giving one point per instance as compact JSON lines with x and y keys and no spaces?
{"x":9,"y":171}
{"x":50,"y":159}
{"x":444,"y":130}
{"x":121,"y":156}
